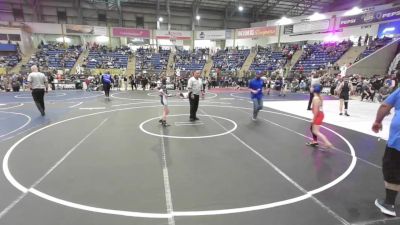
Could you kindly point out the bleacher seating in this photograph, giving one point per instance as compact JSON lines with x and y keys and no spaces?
{"x":9,"y":56}
{"x":374,"y":46}
{"x":319,"y":56}
{"x":55,"y":56}
{"x":268,"y":60}
{"x":100,"y":57}
{"x":147,"y":59}
{"x":191,"y":61}
{"x":230,"y":60}
{"x":9,"y":61}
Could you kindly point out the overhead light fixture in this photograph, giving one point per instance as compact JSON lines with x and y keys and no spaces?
{"x":284,"y":21}
{"x":197,"y":17}
{"x":317,"y":16}
{"x":160,"y":19}
{"x":353,"y":11}
{"x":240,"y":8}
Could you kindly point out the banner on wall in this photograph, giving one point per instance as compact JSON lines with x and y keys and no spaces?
{"x":173,"y":34}
{"x":256,"y":32}
{"x":130,"y":32}
{"x":371,"y":17}
{"x":288,"y":29}
{"x":391,"y":29}
{"x":311,"y":26}
{"x":229,"y":34}
{"x":44,"y":28}
{"x":211,"y":35}
{"x":85,"y":29}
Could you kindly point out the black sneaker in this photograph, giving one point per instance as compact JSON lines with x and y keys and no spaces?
{"x":160,"y":121}
{"x":165,"y":124}
{"x":346,"y":114}
{"x":312,"y":144}
{"x":191,"y":120}
{"x":196,"y":118}
{"x":385,"y":208}
{"x":340,"y":114}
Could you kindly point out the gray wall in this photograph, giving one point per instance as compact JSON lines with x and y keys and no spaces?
{"x":377,"y":63}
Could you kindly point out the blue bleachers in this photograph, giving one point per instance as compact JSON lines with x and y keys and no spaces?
{"x":9,"y":61}
{"x":230,"y":60}
{"x":190,"y":61}
{"x":119,"y":60}
{"x":145,"y":59}
{"x":271,"y":60}
{"x":55,"y":56}
{"x":319,"y":55}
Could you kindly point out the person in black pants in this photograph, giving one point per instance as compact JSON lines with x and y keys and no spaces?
{"x":344,"y":90}
{"x":107,"y":80}
{"x":195,"y":88}
{"x":39,"y":85}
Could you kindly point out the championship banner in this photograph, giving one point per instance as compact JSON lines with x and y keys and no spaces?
{"x":371,"y":17}
{"x":85,"y":29}
{"x":130,"y":32}
{"x":173,"y":34}
{"x":256,"y":32}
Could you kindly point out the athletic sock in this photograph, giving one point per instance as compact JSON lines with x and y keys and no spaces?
{"x":315,"y":138}
{"x":390,"y":197}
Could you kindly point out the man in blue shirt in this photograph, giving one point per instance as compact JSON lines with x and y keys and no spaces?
{"x":256,"y":86}
{"x":391,"y":158}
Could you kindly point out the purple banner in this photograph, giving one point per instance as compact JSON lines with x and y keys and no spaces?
{"x":130,"y":32}
{"x":371,"y":17}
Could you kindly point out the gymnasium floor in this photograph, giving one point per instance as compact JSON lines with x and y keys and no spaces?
{"x":92,"y":161}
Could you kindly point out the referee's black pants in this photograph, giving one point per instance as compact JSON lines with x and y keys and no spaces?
{"x":38,"y":97}
{"x":194,"y":104}
{"x":310,"y":100}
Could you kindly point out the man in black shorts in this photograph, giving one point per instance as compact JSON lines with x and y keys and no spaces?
{"x":391,"y":158}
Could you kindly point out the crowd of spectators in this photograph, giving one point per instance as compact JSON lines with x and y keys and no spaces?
{"x":9,"y":61}
{"x":230,"y":59}
{"x":320,"y":56}
{"x":102,"y":57}
{"x":191,"y":60}
{"x":149,"y":59}
{"x":55,"y":56}
{"x":268,"y":60}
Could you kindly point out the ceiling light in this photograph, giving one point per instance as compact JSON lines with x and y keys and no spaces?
{"x":197,"y":17}
{"x":160,"y":19}
{"x":317,"y":16}
{"x":284,"y":21}
{"x":353,"y":11}
{"x":240,"y":8}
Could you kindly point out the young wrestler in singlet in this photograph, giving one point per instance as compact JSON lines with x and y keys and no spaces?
{"x":318,"y":118}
